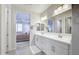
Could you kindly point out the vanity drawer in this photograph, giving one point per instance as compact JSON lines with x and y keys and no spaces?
{"x":47,"y":47}
{"x":60,"y":51}
{"x":62,"y":45}
{"x":40,"y":42}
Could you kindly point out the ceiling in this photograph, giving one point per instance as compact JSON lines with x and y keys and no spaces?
{"x":37,"y":8}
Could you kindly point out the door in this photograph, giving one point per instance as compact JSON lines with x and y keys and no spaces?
{"x":3,"y":29}
{"x":6,"y":30}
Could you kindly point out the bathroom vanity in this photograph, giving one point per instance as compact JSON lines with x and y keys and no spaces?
{"x":55,"y":34}
{"x":51,"y":44}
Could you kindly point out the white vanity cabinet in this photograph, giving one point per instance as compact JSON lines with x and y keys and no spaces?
{"x":38,"y":41}
{"x":51,"y":47}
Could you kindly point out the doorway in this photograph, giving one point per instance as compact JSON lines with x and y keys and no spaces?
{"x":22,"y":27}
{"x":22,"y":33}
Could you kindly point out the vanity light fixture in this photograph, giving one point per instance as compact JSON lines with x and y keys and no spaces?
{"x":65,"y":6}
{"x":61,"y":9}
{"x":58,"y":9}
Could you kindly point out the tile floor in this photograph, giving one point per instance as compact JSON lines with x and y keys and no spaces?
{"x":22,"y":48}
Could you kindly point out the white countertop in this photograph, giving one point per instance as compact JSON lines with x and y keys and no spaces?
{"x":65,"y":38}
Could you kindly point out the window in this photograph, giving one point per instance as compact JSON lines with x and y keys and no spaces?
{"x":18,"y":27}
{"x":22,"y":22}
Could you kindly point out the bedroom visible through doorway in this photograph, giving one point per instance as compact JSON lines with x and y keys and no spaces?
{"x":22,"y":32}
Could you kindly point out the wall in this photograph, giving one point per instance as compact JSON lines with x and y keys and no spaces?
{"x":75,"y":30}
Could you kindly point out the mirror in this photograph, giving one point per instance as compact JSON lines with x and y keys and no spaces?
{"x":68,"y":25}
{"x":50,"y":25}
{"x":38,"y":26}
{"x":54,"y":26}
{"x":42,"y":27}
{"x":58,"y":26}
